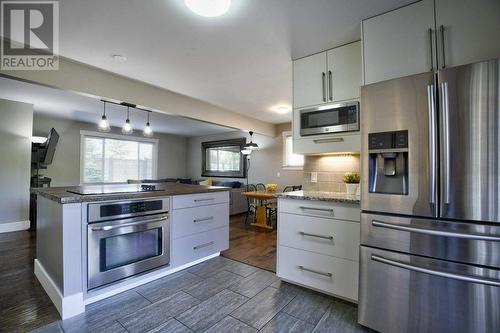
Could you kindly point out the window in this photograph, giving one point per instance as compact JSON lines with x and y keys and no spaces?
{"x":290,"y":159}
{"x":223,"y":159}
{"x":109,"y":158}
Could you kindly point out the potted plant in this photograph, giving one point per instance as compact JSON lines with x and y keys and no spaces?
{"x":351,"y":181}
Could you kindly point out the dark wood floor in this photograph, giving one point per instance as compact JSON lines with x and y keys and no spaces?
{"x":251,"y":245}
{"x":24,"y":305}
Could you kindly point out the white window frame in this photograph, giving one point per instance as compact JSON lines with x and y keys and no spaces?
{"x":86,"y":134}
{"x":287,"y":134}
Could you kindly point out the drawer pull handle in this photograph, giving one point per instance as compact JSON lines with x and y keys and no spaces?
{"x":328,"y":140}
{"x":197,"y":247}
{"x":328,"y":210}
{"x":435,"y":232}
{"x":302,"y":268}
{"x":314,"y":235}
{"x":459,"y":277}
{"x":209,"y":218}
{"x":201,"y":200}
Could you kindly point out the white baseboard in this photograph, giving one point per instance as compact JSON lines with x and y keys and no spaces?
{"x":14,"y":226}
{"x":140,"y":280}
{"x":68,"y":306}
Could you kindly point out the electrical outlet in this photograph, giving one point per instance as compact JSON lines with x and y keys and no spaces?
{"x":314,"y":177}
{"x":278,"y":174}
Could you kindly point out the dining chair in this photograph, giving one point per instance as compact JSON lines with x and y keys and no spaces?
{"x":260,"y":187}
{"x":251,"y":203}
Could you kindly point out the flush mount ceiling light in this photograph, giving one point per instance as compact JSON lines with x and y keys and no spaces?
{"x":127,"y":128}
{"x":104,"y":123}
{"x":119,"y":57}
{"x":148,"y":131}
{"x":282,"y":109}
{"x":208,"y":8}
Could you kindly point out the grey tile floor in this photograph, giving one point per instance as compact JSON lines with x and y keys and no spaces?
{"x":219,"y":295}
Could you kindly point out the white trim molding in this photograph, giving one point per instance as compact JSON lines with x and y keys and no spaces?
{"x":14,"y":226}
{"x":67,"y":306}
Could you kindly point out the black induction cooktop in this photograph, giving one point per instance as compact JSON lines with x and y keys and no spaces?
{"x":113,"y":189}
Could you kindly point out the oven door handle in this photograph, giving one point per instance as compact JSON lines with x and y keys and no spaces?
{"x":123,"y":225}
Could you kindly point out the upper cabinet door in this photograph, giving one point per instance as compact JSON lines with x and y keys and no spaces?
{"x":471,"y":30}
{"x":344,"y":72}
{"x":398,"y":43}
{"x":310,"y":80}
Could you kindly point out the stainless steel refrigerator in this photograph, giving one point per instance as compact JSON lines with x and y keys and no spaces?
{"x":430,"y":232}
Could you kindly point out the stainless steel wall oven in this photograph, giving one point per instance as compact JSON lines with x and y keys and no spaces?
{"x":126,"y":238}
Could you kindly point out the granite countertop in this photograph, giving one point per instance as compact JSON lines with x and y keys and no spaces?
{"x":61,"y":194}
{"x":321,"y":196}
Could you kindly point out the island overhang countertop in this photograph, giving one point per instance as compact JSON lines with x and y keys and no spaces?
{"x":321,"y":196}
{"x":63,"y":195}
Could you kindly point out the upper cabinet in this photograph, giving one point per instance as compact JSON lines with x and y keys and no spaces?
{"x":328,"y":76}
{"x":398,"y":43}
{"x":468,"y":31}
{"x":429,"y":35}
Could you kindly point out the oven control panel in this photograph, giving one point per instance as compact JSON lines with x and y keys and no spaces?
{"x":123,"y":209}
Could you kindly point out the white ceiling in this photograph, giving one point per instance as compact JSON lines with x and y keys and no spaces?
{"x":240,"y":61}
{"x":68,"y":105}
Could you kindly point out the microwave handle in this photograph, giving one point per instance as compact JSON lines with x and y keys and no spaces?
{"x":117,"y":226}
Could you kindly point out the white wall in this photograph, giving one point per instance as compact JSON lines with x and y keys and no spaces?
{"x":16,"y":120}
{"x":65,"y":168}
{"x":266,"y":163}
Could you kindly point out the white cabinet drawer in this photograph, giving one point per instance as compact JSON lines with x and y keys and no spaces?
{"x":326,"y":209}
{"x":194,"y":247}
{"x":201,"y":199}
{"x":338,"y":143}
{"x":327,"y":236}
{"x":328,"y":274}
{"x":190,"y":221}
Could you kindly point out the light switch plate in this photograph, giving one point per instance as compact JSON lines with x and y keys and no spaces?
{"x":314,"y":177}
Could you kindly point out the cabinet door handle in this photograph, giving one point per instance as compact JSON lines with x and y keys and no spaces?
{"x":328,"y":210}
{"x":323,"y":87}
{"x":330,"y":88}
{"x":315,"y":235}
{"x":302,"y":268}
{"x":197,"y":247}
{"x":430,"y":44}
{"x":208,"y":218}
{"x":201,"y":200}
{"x":441,"y":29}
{"x":328,"y":140}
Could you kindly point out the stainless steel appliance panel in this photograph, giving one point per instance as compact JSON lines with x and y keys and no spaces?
{"x":470,"y":141}
{"x":397,"y":105}
{"x":405,"y":293}
{"x":122,"y":248}
{"x":472,"y":243}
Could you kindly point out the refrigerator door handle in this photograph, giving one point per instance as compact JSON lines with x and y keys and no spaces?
{"x":432,"y":147}
{"x":429,"y":271}
{"x":446,"y":145}
{"x":436,"y":232}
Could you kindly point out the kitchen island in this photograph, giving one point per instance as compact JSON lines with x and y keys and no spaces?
{"x":96,"y":241}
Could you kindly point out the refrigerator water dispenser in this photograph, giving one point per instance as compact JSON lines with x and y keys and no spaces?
{"x":388,"y":162}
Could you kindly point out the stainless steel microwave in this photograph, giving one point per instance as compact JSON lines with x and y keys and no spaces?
{"x":327,"y":119}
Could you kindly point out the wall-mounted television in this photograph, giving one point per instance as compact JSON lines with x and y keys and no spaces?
{"x":46,"y":151}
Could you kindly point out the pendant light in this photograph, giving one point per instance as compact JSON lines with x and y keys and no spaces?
{"x":127,"y":128}
{"x":249,"y":147}
{"x":148,"y":131}
{"x":104,"y":123}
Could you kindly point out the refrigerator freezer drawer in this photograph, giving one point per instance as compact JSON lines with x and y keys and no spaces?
{"x":405,"y":293}
{"x":473,"y":243}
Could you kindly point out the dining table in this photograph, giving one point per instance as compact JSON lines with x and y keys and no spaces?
{"x":261,"y":198}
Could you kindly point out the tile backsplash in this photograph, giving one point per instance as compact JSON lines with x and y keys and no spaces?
{"x":331,"y":170}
